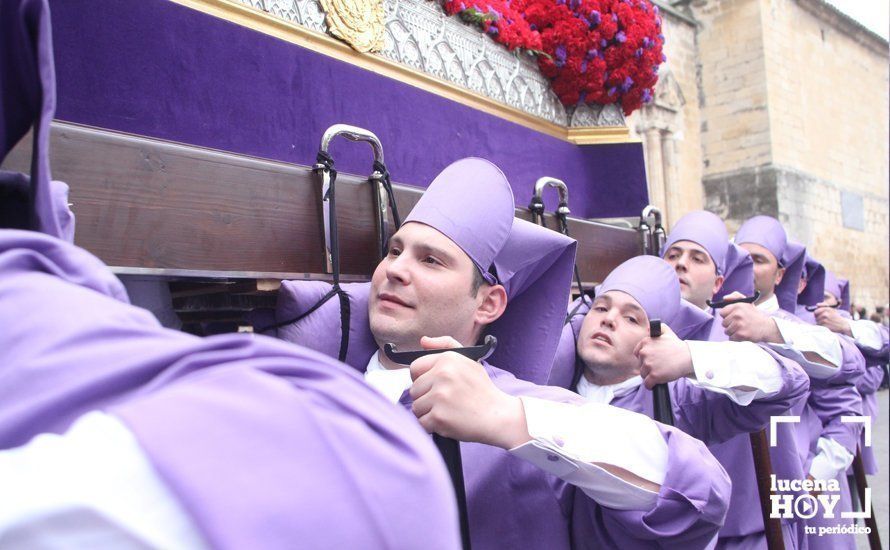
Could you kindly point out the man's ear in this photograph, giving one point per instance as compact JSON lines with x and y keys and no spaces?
{"x":780,"y":274}
{"x":718,"y":284}
{"x":492,"y":305}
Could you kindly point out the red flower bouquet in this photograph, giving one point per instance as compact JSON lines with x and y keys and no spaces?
{"x":593,"y":51}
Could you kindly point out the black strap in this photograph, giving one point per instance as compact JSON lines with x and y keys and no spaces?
{"x":325,"y":159}
{"x":564,"y":229}
{"x":327,"y":162}
{"x":391,"y":197}
{"x":300,"y":317}
{"x":345,"y":313}
{"x":661,"y":395}
{"x":537,"y":209}
{"x":386,"y":181}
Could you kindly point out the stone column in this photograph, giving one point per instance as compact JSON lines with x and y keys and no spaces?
{"x":655,"y":168}
{"x":671,"y":179}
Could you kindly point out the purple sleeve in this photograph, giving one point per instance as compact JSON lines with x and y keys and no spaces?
{"x":871,"y":380}
{"x":690,"y":510}
{"x":881,"y":356}
{"x":831,"y":403}
{"x":69,"y":337}
{"x":852,"y":362}
{"x":714,"y":418}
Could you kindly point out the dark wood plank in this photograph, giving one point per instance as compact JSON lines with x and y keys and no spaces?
{"x":158,"y":208}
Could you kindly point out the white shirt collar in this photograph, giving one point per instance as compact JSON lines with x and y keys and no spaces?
{"x":605,"y":394}
{"x":770,"y":305}
{"x":392,"y":383}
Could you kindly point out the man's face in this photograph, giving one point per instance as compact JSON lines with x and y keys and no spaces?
{"x":767,"y":273}
{"x":695,"y":270}
{"x":829,"y":300}
{"x":423,"y":287}
{"x":611,"y":330}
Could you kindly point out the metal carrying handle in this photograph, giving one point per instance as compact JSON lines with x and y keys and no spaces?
{"x":537,"y":204}
{"x":379,"y":178}
{"x":476,"y":353}
{"x":645,"y":232}
{"x":719,"y":304}
{"x":658,"y":236}
{"x":562,"y":212}
{"x":811,"y":309}
{"x":352,"y":133}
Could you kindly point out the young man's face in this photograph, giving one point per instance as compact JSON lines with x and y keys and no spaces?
{"x":802,"y":285}
{"x":611,"y":330}
{"x":695,"y":270}
{"x":767,"y":273}
{"x":424,"y":287}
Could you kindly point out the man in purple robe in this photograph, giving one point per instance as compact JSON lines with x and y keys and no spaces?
{"x":233,"y":441}
{"x":705,"y":234}
{"x":832,"y":361}
{"x":542,"y":470}
{"x":809,"y":289}
{"x":702,"y":265}
{"x":872,"y":340}
{"x":117,"y":433}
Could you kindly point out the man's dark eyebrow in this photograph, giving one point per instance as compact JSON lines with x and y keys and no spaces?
{"x":395,"y":240}
{"x":435,"y":251}
{"x":634,"y":308}
{"x":603,"y":298}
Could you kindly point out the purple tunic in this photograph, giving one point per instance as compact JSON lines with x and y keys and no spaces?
{"x":716,"y":420}
{"x":552,"y":513}
{"x":830,"y":400}
{"x":264,"y":443}
{"x":868,"y":385}
{"x":869,"y":382}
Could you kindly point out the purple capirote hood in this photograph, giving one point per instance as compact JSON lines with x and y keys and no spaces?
{"x":28,"y":99}
{"x":708,"y":231}
{"x":471,"y":203}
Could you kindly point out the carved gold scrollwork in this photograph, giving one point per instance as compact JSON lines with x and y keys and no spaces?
{"x":359,"y":23}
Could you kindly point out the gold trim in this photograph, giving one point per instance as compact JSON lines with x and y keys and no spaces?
{"x":597,"y":136}
{"x":266,"y":23}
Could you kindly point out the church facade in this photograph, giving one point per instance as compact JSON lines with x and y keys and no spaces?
{"x":776,"y":107}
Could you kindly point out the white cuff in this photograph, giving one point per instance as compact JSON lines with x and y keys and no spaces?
{"x":867,"y":334}
{"x":739,"y":370}
{"x":568,"y":439}
{"x":811,"y":338}
{"x":831,"y":460}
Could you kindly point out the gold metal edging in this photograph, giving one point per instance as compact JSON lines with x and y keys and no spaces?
{"x":260,"y":21}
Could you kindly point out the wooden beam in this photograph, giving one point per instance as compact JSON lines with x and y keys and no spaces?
{"x":151,"y":207}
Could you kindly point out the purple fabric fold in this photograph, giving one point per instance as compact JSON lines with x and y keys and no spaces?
{"x":28,"y":99}
{"x":264,"y":443}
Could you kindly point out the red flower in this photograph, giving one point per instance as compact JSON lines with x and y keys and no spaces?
{"x":596,"y":51}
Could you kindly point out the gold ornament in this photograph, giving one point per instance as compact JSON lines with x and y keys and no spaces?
{"x":359,"y":23}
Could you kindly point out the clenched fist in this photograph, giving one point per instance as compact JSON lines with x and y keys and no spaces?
{"x":831,"y":319}
{"x":454,"y":397}
{"x":663,"y":359}
{"x":745,"y":323}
